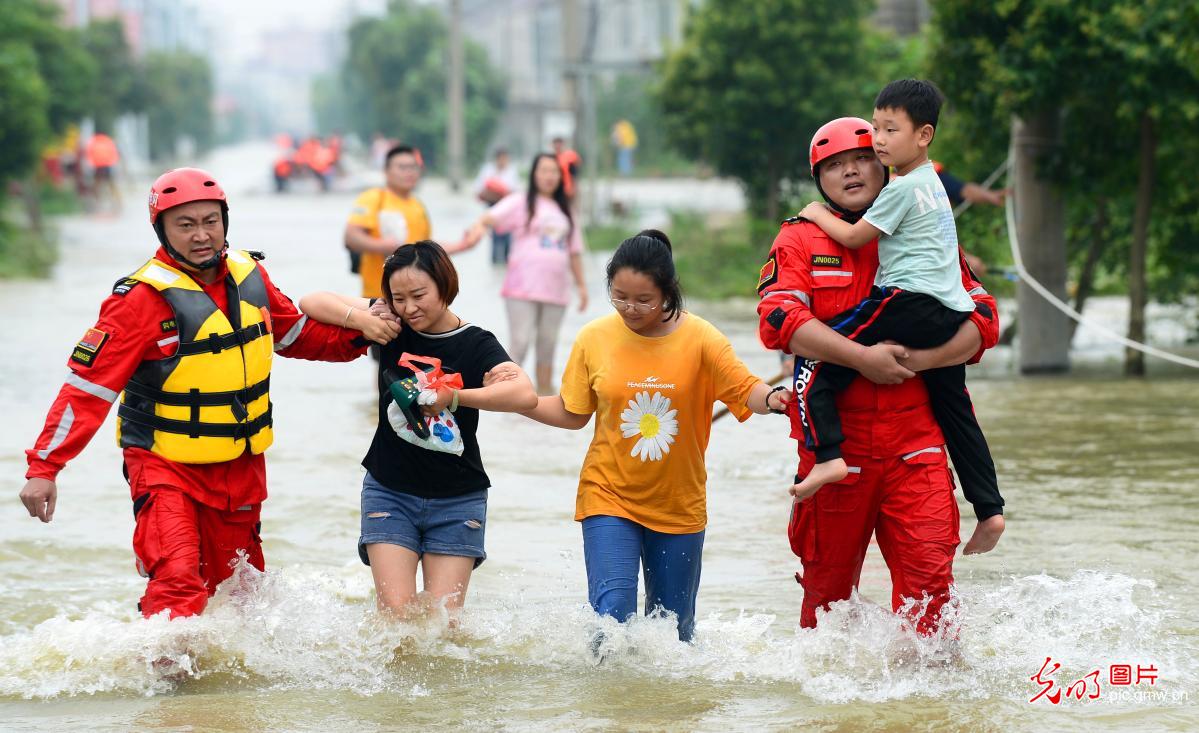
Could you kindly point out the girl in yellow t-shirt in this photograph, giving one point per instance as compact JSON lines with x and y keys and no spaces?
{"x":650,"y":372}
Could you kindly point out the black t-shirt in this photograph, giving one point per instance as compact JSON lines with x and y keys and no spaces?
{"x":953,"y":187}
{"x":410,"y":469}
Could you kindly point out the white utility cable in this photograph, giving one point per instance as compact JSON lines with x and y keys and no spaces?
{"x":1010,"y":210}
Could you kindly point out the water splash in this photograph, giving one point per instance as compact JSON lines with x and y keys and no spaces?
{"x":307,"y":629}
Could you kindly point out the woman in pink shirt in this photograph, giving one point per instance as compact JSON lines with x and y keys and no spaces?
{"x":547,"y":250}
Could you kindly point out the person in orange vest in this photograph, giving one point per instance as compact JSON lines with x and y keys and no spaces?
{"x":103,"y":157}
{"x":189,"y":339}
{"x":570,"y":162}
{"x":321,"y":162}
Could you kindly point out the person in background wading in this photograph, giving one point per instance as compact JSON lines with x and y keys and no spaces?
{"x":547,"y":249}
{"x":497,"y":178}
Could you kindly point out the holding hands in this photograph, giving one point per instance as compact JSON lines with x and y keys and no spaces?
{"x":378,"y":324}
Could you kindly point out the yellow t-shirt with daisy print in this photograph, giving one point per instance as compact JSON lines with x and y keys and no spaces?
{"x":652,"y":399}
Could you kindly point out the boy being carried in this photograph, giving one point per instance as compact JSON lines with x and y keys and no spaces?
{"x":918,"y":301}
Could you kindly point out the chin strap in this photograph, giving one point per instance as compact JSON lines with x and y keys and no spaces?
{"x":208,"y":264}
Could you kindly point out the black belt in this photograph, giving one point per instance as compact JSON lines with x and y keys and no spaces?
{"x":196,"y":398}
{"x":215,"y":344}
{"x":196,"y":429}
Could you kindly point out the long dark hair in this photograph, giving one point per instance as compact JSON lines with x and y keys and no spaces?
{"x":649,"y":253}
{"x":428,"y":257}
{"x":559,"y":195}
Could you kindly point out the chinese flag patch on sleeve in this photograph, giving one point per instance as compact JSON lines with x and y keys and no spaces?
{"x":89,"y":347}
{"x":768,"y":274}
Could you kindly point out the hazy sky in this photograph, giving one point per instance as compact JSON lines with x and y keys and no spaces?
{"x":241,"y":22}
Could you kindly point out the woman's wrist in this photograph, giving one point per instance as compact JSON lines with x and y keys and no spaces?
{"x":770,"y":394}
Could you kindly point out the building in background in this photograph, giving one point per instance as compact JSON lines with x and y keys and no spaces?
{"x":547,"y":47}
{"x":149,"y":25}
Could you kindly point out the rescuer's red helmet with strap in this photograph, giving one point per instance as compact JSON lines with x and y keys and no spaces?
{"x":837,"y":136}
{"x":183,"y":186}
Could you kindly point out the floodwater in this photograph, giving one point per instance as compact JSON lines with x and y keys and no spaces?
{"x":1097,"y":568}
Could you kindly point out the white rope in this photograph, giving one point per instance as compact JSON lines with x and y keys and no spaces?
{"x":957,"y":211}
{"x":1010,"y":210}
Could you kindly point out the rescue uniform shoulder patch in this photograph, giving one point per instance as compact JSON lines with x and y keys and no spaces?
{"x":124,"y":285}
{"x":777,"y":318}
{"x":168,"y":325}
{"x":258,"y":255}
{"x":769,"y":274}
{"x":826,"y":260}
{"x":89,"y":346}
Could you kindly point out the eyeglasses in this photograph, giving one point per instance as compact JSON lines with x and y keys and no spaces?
{"x":638,"y":308}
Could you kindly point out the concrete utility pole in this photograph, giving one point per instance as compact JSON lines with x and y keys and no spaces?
{"x":578,"y":49}
{"x":455,"y":95}
{"x":1041,"y":229}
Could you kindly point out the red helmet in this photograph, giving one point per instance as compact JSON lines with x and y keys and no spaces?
{"x":182,"y":186}
{"x":843,"y":133}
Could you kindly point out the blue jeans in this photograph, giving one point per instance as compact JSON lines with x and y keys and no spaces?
{"x":614,"y":547}
{"x":500,"y":243}
{"x":450,"y":526}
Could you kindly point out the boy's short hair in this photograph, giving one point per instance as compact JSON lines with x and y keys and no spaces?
{"x":400,"y":149}
{"x":919,"y":98}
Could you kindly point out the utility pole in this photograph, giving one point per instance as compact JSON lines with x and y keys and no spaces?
{"x":578,"y":50}
{"x":455,"y":94}
{"x":1041,"y":229}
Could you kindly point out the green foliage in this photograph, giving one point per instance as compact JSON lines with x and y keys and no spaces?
{"x":753,"y":79}
{"x":43,"y":75}
{"x":120,"y":85}
{"x":1102,"y":64}
{"x":25,"y":253}
{"x":631,"y":97}
{"x":394,"y":81}
{"x":23,"y":110}
{"x":720,"y":259}
{"x":62,"y":64}
{"x":179,"y":101}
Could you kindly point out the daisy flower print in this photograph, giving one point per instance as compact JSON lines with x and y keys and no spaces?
{"x":652,"y":422}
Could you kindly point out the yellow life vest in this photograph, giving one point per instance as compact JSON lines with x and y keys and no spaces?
{"x":209,"y":402}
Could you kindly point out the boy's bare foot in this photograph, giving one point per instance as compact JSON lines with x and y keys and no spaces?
{"x":821,"y":474}
{"x":986,"y":535}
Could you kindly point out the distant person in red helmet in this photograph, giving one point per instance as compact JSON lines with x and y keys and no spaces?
{"x":188,"y":338}
{"x":898,"y":487}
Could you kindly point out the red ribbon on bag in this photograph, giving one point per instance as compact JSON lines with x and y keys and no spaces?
{"x":433,"y":379}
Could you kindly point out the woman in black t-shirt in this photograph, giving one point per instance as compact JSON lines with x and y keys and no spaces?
{"x":420,"y":504}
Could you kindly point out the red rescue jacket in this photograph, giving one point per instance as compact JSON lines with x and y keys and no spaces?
{"x":809,"y":275}
{"x":136,"y":324}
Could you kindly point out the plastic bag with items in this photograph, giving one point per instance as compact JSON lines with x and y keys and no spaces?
{"x":440,"y":432}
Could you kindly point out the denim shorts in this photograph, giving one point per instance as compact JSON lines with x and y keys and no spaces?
{"x":451,"y":526}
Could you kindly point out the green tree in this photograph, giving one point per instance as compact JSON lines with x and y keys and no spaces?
{"x":120,"y":85}
{"x":23,"y":107}
{"x":1048,"y":58}
{"x":179,"y":101}
{"x":44,"y":74}
{"x":394,"y":81}
{"x":62,"y":63}
{"x":753,"y":79}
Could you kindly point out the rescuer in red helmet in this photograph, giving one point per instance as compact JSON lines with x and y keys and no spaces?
{"x":899,"y":487}
{"x":186,"y":343}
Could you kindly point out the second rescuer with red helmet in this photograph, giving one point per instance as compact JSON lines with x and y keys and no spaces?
{"x":186,"y":343}
{"x":898,"y":487}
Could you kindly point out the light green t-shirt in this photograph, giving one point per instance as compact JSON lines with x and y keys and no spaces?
{"x":918,"y":249}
